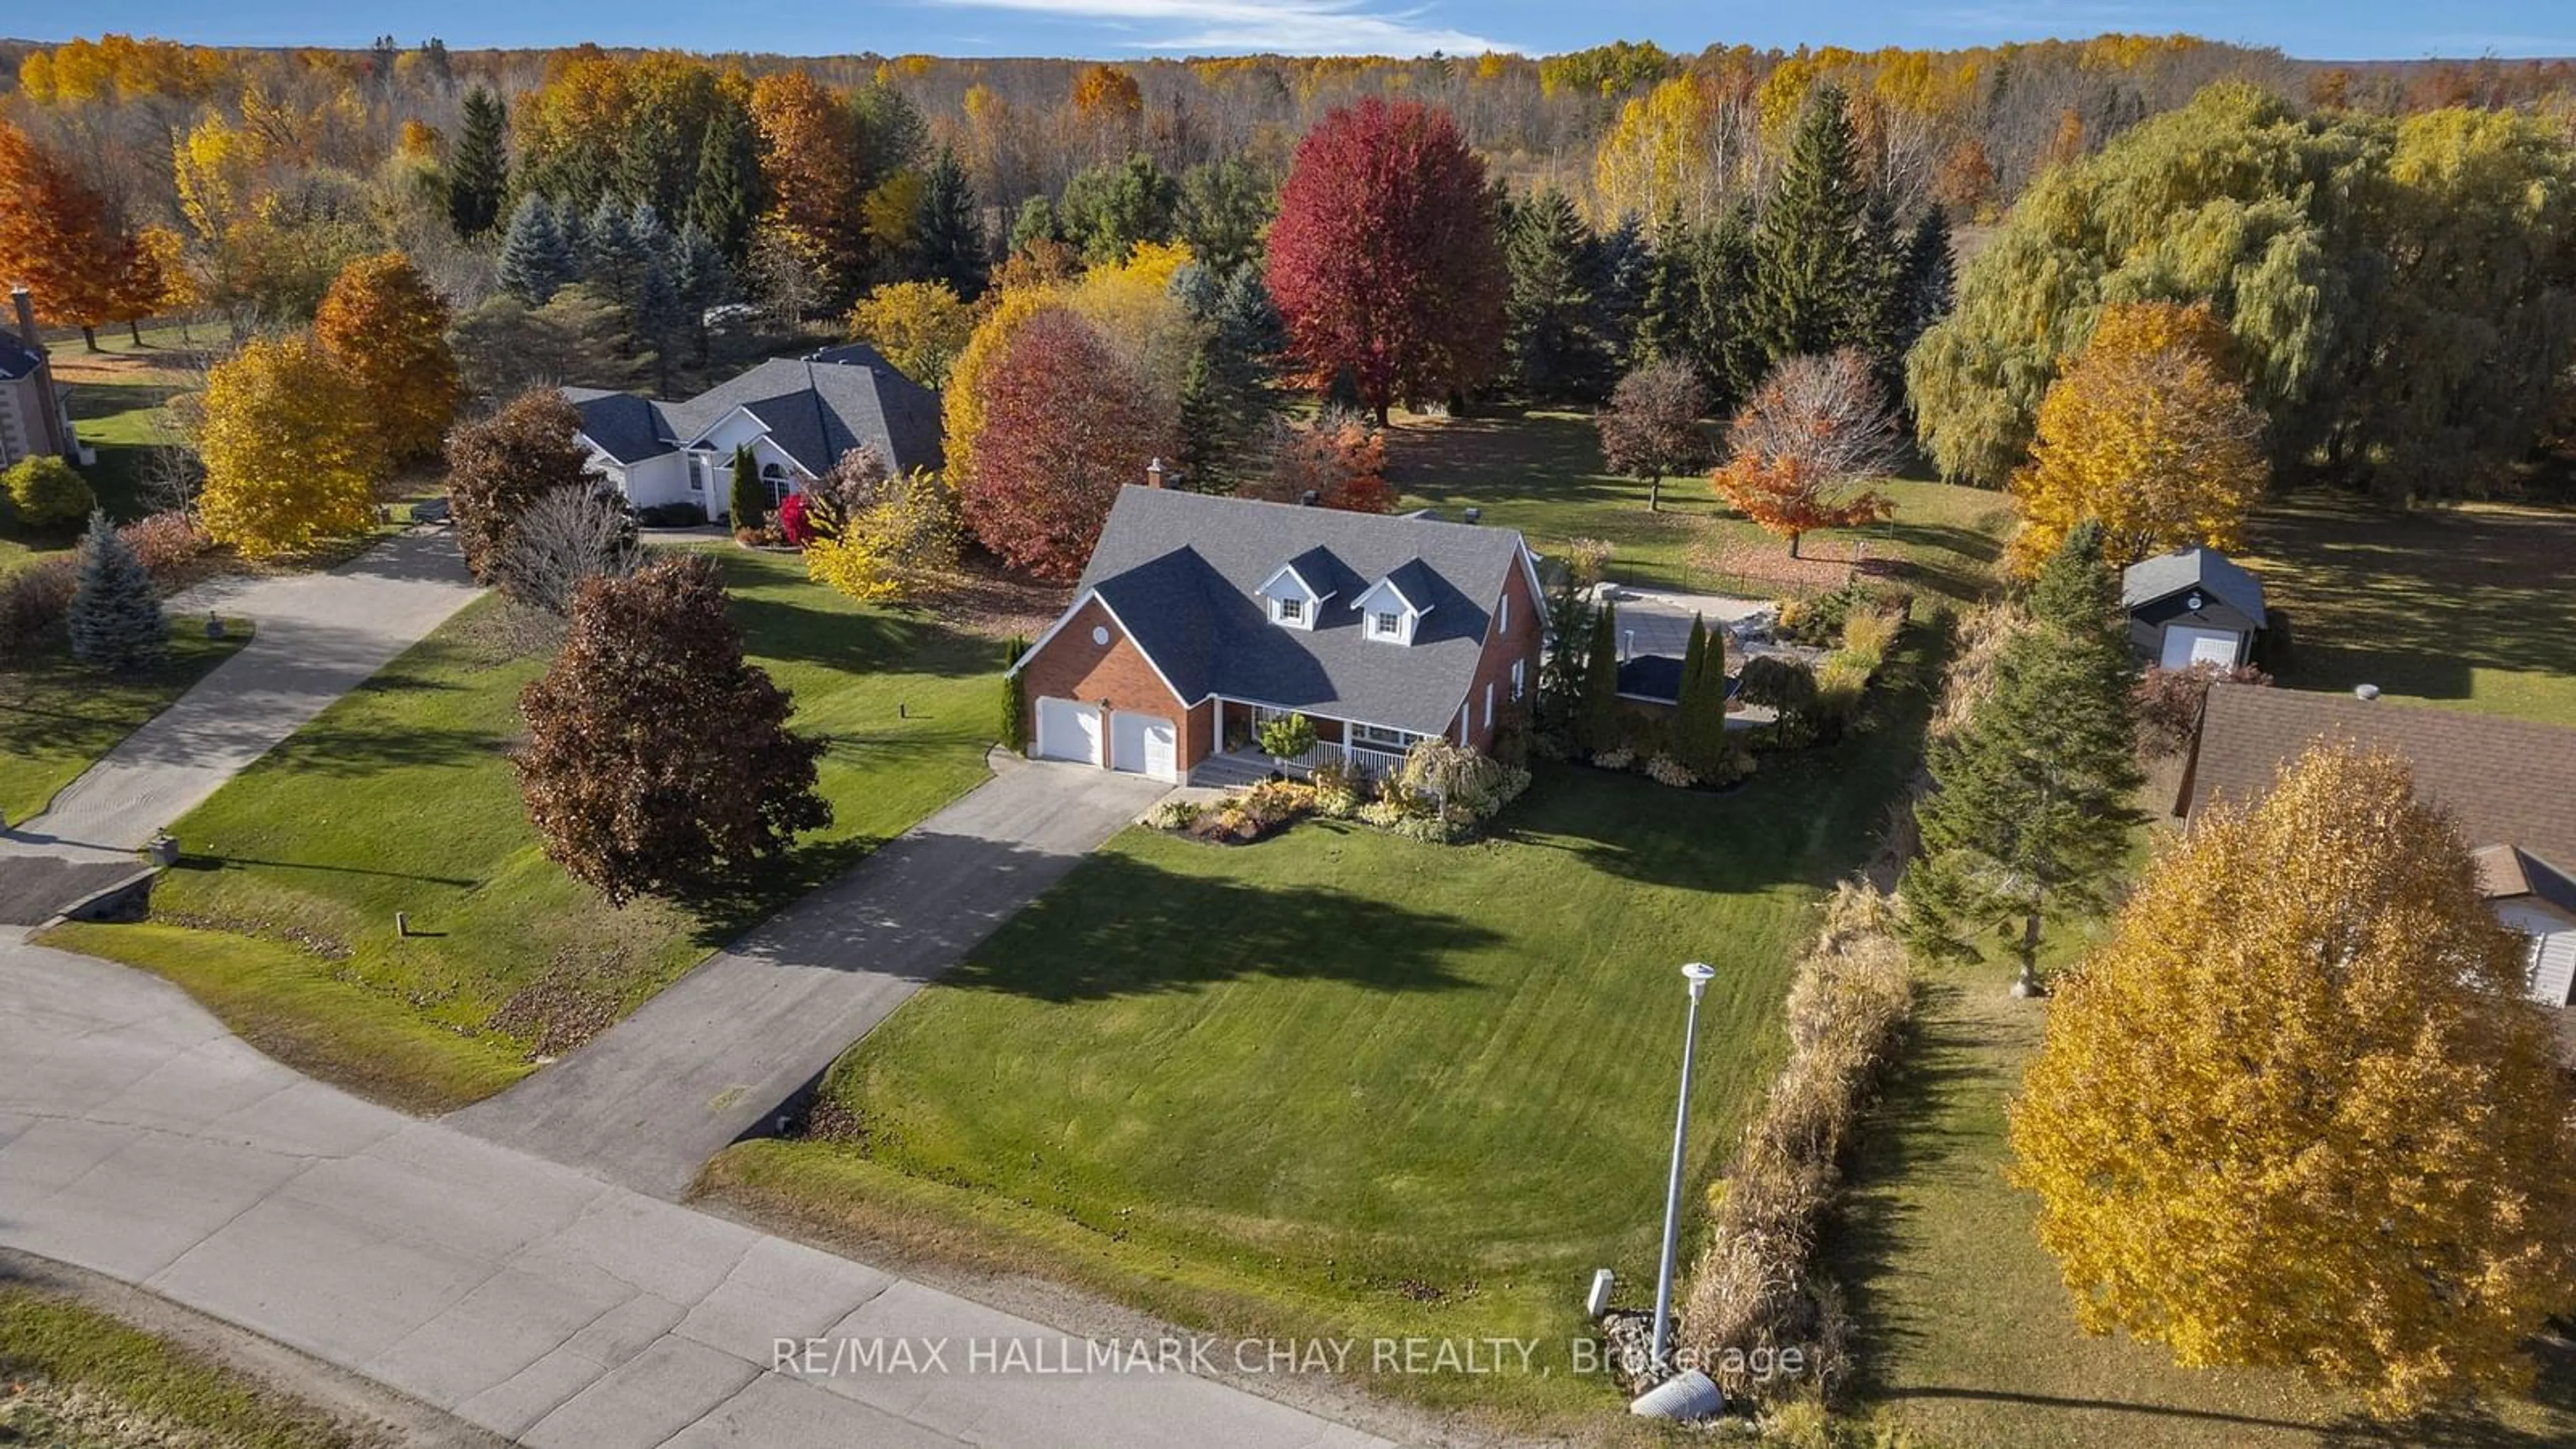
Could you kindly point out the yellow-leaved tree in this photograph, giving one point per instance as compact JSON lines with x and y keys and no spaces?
{"x":290,"y":455}
{"x":876,"y":537}
{"x":2149,"y":430}
{"x":961,"y":403}
{"x":2296,"y":1112}
{"x":388,"y":331}
{"x":919,"y":326}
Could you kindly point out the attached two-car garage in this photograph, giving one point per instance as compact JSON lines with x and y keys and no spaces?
{"x":1139,"y":744}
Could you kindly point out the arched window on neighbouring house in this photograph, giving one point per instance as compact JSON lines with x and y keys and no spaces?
{"x":775,"y":475}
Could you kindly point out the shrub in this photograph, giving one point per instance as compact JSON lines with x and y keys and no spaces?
{"x":1867,"y":633}
{"x":33,"y":602}
{"x":1456,"y":781}
{"x":1757,"y":1286}
{"x":47,"y":494}
{"x":1733,"y":763}
{"x":1665,"y":770}
{"x":2273,"y":651}
{"x":1617,"y":757}
{"x":1287,"y":737}
{"x":1819,"y":621}
{"x":165,"y":544}
{"x":792,"y":522}
{"x":1841,"y":684}
{"x":671,"y":515}
{"x":1338,"y":792}
{"x":1174,"y":814}
{"x":1015,"y":703}
{"x":2169,"y":703}
{"x":1970,"y":678}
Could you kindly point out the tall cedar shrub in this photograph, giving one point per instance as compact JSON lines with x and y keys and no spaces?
{"x":749,"y":497}
{"x":1015,"y":697}
{"x":1598,"y":724}
{"x":659,"y":761}
{"x":115,"y":620}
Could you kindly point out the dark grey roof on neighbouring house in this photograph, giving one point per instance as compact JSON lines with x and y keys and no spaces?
{"x":1179,"y":570}
{"x":2168,"y":574}
{"x":815,"y":409}
{"x":17,"y":359}
{"x":2509,"y":782}
{"x":2508,"y":871}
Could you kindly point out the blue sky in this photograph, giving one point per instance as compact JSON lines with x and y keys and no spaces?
{"x":2338,"y":29}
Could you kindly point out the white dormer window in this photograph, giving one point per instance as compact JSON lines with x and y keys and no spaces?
{"x":1293,"y":602}
{"x":1386,"y":624}
{"x":1389,"y":612}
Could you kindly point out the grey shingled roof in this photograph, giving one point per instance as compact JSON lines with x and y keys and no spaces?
{"x":17,"y":359}
{"x":815,"y":408}
{"x":1179,"y":570}
{"x":2167,"y":574}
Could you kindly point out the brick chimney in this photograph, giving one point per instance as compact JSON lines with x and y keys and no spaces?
{"x":48,"y":424}
{"x":1154,"y":474}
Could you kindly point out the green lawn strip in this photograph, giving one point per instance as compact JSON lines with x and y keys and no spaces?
{"x":56,"y":1354}
{"x":2464,"y":607}
{"x":1541,"y":473}
{"x":1968,"y":1337}
{"x":400,"y":798}
{"x":1340,"y":1078}
{"x":58,"y":716}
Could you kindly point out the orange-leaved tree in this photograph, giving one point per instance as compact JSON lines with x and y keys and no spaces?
{"x":1816,"y":425}
{"x":2296,"y":1112}
{"x":387,"y":330}
{"x":57,"y":238}
{"x":2149,"y":430}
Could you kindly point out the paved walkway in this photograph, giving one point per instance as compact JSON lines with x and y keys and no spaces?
{"x":140,"y":1140}
{"x":319,"y":635}
{"x":655,"y":1096}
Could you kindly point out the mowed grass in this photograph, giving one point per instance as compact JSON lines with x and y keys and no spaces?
{"x":75,"y":1377}
{"x":1541,"y":472}
{"x":1967,"y":1335}
{"x":2467,"y":606}
{"x":1343,"y":1084}
{"x":400,"y":798}
{"x":58,"y":716}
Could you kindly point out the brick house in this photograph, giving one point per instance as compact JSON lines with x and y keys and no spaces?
{"x":35,"y":412}
{"x":1200,"y":617}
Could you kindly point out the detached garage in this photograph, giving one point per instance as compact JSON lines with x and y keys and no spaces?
{"x":2190,"y":607}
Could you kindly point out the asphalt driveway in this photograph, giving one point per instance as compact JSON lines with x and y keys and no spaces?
{"x":651,"y":1099}
{"x":141,"y":1140}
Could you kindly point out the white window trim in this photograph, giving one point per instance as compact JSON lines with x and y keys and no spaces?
{"x":1507,"y":611}
{"x":1279,"y":613}
{"x":1489,"y":704}
{"x":1379,"y":737}
{"x":1520,"y":677}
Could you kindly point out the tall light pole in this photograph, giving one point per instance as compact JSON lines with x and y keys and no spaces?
{"x":1698,"y":974}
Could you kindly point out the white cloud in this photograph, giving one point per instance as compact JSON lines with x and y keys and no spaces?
{"x":1233,"y":27}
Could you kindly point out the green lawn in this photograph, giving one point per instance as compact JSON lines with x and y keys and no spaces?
{"x":74,"y":1377}
{"x":58,"y":716}
{"x":400,"y":798}
{"x":2465,"y":607}
{"x":1541,"y":473}
{"x":1341,"y":1083}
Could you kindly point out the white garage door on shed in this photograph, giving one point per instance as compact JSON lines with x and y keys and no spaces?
{"x":1068,"y":729}
{"x":1144,"y":744}
{"x":2187,"y":645}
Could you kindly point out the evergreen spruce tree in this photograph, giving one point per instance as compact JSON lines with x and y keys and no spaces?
{"x":660,"y":318}
{"x":1035,"y":222}
{"x":1552,"y":315}
{"x":700,"y":280}
{"x":1720,"y":297}
{"x":952,"y":229}
{"x":478,"y":176}
{"x":1663,"y":296}
{"x":115,"y":620}
{"x":2030,"y":813}
{"x":612,"y":258}
{"x":536,"y":260}
{"x":1931,"y":277}
{"x":749,"y":496}
{"x":1229,"y":395}
{"x":1884,"y":312}
{"x":1622,"y":261}
{"x":1811,"y":265}
{"x":1597,"y":722}
{"x":725,"y":200}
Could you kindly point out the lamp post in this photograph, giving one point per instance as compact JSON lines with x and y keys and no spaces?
{"x":1698,"y":974}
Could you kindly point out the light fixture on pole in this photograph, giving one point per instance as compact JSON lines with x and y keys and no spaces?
{"x":1698,"y":974}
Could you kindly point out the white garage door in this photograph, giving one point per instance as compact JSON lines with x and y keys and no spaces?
{"x":1143,"y":744}
{"x":1068,"y":729}
{"x":2186,"y":646}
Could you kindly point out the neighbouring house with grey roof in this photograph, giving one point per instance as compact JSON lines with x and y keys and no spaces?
{"x":35,"y":412}
{"x":2192,"y":606}
{"x":798,"y":416}
{"x":1200,"y":618}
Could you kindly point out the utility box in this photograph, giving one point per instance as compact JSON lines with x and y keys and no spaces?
{"x":1597,"y":1302}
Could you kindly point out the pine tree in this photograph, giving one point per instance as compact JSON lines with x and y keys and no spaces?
{"x":952,"y":228}
{"x":1596,"y":721}
{"x":1229,"y":395}
{"x":536,"y":259}
{"x":1663,"y":307}
{"x":1035,"y":222}
{"x":2031,"y":813}
{"x":749,"y":496}
{"x":612,"y":259}
{"x":1552,"y":313}
{"x":1931,"y":277}
{"x":478,"y":175}
{"x":1811,"y":272}
{"x":115,"y":619}
{"x":701,"y":281}
{"x":726,"y":198}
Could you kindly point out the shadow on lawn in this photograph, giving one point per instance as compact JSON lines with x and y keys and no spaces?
{"x":210,"y":862}
{"x":861,"y":643}
{"x":1122,"y":927}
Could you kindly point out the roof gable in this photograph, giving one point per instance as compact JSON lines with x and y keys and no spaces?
{"x":814,"y":410}
{"x":2168,"y":574}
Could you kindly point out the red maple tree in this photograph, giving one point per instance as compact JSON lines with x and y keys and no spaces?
{"x":56,"y":238}
{"x":1067,"y":422}
{"x":1383,"y":261}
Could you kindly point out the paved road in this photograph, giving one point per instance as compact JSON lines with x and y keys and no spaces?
{"x":648,"y":1101}
{"x":319,"y":635}
{"x":140,"y":1140}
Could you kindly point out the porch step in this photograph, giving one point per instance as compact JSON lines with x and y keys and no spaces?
{"x":1227,"y":772}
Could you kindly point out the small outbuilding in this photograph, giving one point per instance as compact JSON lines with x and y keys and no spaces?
{"x":2192,"y":606}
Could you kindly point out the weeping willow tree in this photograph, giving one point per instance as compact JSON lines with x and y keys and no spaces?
{"x":2403,"y":294}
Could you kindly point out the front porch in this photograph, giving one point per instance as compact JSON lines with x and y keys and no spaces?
{"x":1367,"y":751}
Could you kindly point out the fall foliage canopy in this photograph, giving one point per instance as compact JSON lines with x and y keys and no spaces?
{"x":2296,"y":1112}
{"x":498,"y":467}
{"x":1067,"y":423}
{"x":388,"y":331}
{"x":56,"y":237}
{"x":291,"y":455}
